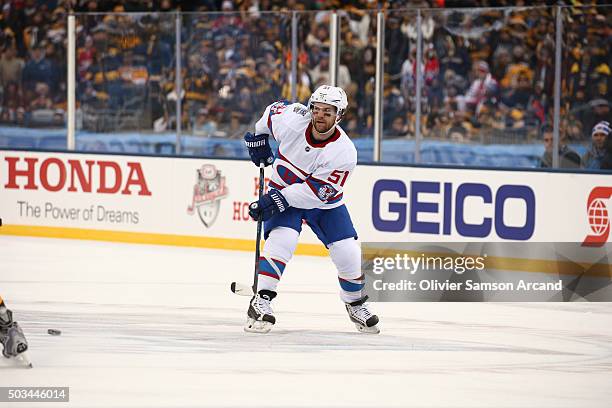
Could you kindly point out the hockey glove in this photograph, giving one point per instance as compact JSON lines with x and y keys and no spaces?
{"x":259,"y":148}
{"x":268,"y":205}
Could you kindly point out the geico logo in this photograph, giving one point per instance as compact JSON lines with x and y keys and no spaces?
{"x":53,"y":174}
{"x":391,"y":207}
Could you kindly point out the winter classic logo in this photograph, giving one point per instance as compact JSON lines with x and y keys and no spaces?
{"x":208,"y":191}
{"x":599,"y":217}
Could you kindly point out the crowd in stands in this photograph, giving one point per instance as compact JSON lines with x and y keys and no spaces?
{"x":32,"y":63}
{"x":487,"y":74}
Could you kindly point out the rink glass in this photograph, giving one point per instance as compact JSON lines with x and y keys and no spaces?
{"x":234,"y":64}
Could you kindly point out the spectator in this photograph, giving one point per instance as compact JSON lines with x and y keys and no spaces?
{"x":395,"y":43}
{"x":398,"y":127}
{"x":394,"y":103}
{"x":35,"y":32}
{"x":11,"y":66}
{"x":41,"y":99}
{"x":460,"y":127}
{"x":244,"y":105}
{"x":360,"y":22}
{"x":319,"y":36}
{"x":441,"y":124}
{"x":574,"y":131}
{"x":453,"y":84}
{"x":408,"y":75}
{"x":409,"y":27}
{"x":518,"y":28}
{"x":486,"y":118}
{"x":517,"y":68}
{"x":430,"y":69}
{"x":344,"y":80}
{"x":133,"y":70}
{"x":432,"y":65}
{"x":205,"y":124}
{"x":568,"y":158}
{"x":57,"y":58}
{"x":599,"y":110}
{"x":456,"y":57}
{"x":39,"y":69}
{"x":13,"y":110}
{"x":86,"y":56}
{"x":56,"y":32}
{"x":320,"y":73}
{"x":266,"y":85}
{"x":537,"y":104}
{"x":515,"y":119}
{"x":237,"y":128}
{"x":606,"y":162}
{"x":351,"y":57}
{"x":519,"y":93}
{"x":351,"y":124}
{"x":502,"y":55}
{"x":208,"y":57}
{"x":593,"y":158}
{"x":12,"y":23}
{"x":545,"y":67}
{"x":483,"y":87}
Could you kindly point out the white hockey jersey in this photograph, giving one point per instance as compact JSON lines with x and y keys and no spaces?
{"x":311,"y":174}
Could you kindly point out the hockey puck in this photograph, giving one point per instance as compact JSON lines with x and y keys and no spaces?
{"x":54,"y":332}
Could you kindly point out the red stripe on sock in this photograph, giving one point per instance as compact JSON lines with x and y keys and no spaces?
{"x":268,"y":274}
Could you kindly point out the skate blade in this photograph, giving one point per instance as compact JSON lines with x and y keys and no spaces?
{"x":257,"y":326}
{"x":20,"y":360}
{"x":369,"y":330}
{"x":24,"y":359}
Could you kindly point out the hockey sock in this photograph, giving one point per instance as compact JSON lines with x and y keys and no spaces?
{"x":270,"y":272}
{"x":351,"y":289}
{"x":277,"y":252}
{"x":346,"y":255}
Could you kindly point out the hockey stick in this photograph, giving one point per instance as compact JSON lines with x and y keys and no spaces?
{"x":241,"y":289}
{"x":237,"y":287}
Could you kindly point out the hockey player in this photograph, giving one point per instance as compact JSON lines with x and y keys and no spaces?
{"x":315,"y":159}
{"x":11,"y":336}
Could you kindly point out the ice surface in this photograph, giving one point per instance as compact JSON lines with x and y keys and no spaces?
{"x":154,"y":326}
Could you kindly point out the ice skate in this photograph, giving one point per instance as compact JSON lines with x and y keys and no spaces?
{"x":14,"y":343}
{"x":260,"y":314}
{"x":359,"y":314}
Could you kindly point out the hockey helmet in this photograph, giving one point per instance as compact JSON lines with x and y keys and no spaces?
{"x":331,"y":95}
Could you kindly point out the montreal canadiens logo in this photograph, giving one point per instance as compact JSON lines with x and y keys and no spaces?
{"x":326,"y":192}
{"x":598,"y":216}
{"x":278,"y":107}
{"x":209,"y":190}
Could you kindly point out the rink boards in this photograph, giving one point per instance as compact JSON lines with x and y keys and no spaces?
{"x":204,"y":202}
